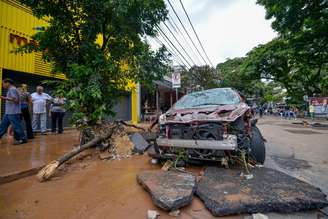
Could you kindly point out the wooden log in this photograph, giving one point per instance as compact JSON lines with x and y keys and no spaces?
{"x":47,"y":172}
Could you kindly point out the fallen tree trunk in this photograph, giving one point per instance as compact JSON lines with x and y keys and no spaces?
{"x":48,"y":171}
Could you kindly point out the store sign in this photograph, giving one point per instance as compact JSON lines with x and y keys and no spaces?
{"x":320,"y":104}
{"x":20,"y":40}
{"x":176,"y":80}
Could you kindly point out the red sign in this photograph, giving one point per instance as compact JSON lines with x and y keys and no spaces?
{"x":20,"y":40}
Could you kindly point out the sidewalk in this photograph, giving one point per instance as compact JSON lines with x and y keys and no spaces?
{"x":18,"y":161}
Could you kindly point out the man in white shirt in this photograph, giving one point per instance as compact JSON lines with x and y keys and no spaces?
{"x":39,"y":101}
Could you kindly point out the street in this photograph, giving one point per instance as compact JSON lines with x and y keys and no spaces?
{"x":90,"y":188}
{"x":296,"y":150}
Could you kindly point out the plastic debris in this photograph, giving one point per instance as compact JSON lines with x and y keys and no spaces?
{"x":151,"y":214}
{"x":259,"y":216}
{"x":174,"y":213}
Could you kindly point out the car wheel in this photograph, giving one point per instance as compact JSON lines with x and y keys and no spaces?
{"x":257,"y":146}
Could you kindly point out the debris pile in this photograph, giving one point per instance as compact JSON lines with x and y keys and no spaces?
{"x":101,"y":137}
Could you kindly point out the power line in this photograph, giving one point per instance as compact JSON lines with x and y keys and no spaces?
{"x":179,"y":43}
{"x":195,"y":33}
{"x":169,"y":42}
{"x":178,"y":31}
{"x":176,"y":14}
{"x":170,"y":51}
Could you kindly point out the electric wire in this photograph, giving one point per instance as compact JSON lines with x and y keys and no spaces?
{"x":184,"y":28}
{"x":164,"y":36}
{"x":167,"y":27}
{"x":200,"y":43}
{"x":179,"y":32}
{"x":178,"y":59}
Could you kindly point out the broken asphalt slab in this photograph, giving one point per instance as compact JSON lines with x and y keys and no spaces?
{"x":140,"y":144}
{"x":224,"y":192}
{"x":169,"y":190}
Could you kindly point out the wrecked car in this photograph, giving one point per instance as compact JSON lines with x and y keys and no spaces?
{"x":209,"y":125}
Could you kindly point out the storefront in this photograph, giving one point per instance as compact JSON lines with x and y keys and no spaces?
{"x":16,"y":28}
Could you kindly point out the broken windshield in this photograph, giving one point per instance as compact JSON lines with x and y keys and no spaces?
{"x":213,"y":97}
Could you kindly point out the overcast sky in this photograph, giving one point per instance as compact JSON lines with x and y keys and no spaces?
{"x":227,"y":28}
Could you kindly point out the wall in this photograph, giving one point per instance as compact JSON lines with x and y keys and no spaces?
{"x":16,"y":27}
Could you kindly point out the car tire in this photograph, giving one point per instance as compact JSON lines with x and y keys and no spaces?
{"x":257,"y":146}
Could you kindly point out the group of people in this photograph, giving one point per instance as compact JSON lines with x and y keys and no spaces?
{"x":18,"y":105}
{"x":289,"y":113}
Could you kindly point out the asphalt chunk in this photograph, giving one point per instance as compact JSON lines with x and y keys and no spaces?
{"x":225,"y":193}
{"x":169,"y":190}
{"x":140,"y":144}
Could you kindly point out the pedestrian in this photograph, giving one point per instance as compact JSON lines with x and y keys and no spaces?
{"x":261,"y":111}
{"x":311,"y":110}
{"x":325,"y":107}
{"x":57,"y":110}
{"x":295,"y":112}
{"x":26,"y":100}
{"x":39,"y":101}
{"x":12,"y":112}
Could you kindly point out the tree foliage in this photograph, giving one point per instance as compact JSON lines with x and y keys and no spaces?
{"x":200,"y":77}
{"x":99,"y":45}
{"x":303,"y":28}
{"x":233,"y":74}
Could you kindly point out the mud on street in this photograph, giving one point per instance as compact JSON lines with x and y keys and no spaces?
{"x":94,"y":188}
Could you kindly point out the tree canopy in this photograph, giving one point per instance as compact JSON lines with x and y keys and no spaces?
{"x":99,"y":45}
{"x":296,"y":60}
{"x":303,"y":28}
{"x":200,"y":77}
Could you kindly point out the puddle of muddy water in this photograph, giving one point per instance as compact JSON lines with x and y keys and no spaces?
{"x":304,"y":132}
{"x":290,"y":163}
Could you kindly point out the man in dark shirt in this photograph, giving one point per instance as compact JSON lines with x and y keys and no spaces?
{"x":12,"y":112}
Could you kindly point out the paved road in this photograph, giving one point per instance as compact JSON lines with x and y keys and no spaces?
{"x":299,"y":151}
{"x":96,"y":189}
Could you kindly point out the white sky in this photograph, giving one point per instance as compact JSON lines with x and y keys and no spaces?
{"x":227,"y":28}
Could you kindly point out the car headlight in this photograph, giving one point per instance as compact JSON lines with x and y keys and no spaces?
{"x":162,"y":119}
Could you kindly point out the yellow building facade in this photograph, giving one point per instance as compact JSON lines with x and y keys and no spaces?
{"x":17,"y":25}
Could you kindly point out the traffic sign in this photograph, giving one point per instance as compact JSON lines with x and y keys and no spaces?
{"x":176,"y":80}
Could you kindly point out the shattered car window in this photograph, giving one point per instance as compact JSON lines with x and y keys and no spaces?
{"x":213,"y":97}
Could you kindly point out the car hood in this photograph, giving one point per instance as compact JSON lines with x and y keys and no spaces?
{"x":227,"y":113}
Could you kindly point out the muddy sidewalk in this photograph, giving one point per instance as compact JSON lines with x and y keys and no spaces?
{"x":96,"y":189}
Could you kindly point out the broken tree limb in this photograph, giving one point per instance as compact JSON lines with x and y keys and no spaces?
{"x":45,"y":173}
{"x":131,"y":125}
{"x":153,"y":124}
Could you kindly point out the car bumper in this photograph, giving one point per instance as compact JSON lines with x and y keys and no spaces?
{"x":229,"y":142}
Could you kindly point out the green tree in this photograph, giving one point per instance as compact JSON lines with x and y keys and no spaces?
{"x":100,"y":46}
{"x":303,"y":25}
{"x":232,"y":75}
{"x":276,"y":61}
{"x":200,"y":77}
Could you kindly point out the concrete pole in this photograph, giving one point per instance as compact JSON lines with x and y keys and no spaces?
{"x":0,"y":90}
{"x":157,"y":100}
{"x":171,"y":99}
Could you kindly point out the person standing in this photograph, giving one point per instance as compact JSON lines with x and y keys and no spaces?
{"x":311,"y":110}
{"x":12,"y":112}
{"x":39,"y":101}
{"x":26,"y":100}
{"x":57,"y":110}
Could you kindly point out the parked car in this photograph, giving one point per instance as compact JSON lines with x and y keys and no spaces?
{"x":209,"y":125}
